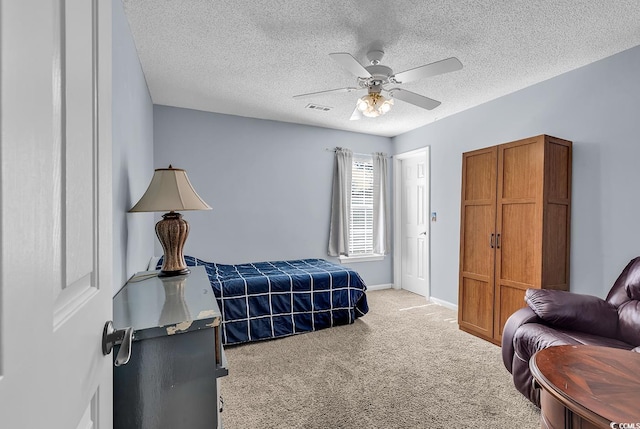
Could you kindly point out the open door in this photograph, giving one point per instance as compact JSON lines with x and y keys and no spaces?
{"x":55,"y":259}
{"x":411,"y":250}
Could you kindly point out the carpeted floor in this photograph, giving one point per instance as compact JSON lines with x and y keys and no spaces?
{"x":403,"y":365}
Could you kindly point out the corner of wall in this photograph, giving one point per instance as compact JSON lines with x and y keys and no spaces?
{"x":133,"y":235}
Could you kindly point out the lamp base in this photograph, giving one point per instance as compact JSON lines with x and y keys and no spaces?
{"x":172,"y":232}
{"x":182,"y":272}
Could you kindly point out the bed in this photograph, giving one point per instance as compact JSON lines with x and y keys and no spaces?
{"x":267,"y":300}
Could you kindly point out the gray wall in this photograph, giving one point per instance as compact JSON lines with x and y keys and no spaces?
{"x":269,"y":184}
{"x":133,"y":234}
{"x":598,"y":108}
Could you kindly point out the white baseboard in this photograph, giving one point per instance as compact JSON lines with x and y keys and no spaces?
{"x":380,"y":287}
{"x":443,"y":303}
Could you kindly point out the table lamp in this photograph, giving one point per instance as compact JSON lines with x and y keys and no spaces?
{"x":170,"y":191}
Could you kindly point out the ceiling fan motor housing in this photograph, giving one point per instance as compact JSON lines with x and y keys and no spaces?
{"x":379,"y":76}
{"x":375,"y":56}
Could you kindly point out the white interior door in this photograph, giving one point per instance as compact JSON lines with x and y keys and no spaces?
{"x":55,"y":259}
{"x":414,"y":230}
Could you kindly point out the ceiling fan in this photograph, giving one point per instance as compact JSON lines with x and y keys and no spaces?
{"x":376,"y":77}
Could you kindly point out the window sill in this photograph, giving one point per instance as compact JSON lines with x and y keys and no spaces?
{"x":362,"y":258}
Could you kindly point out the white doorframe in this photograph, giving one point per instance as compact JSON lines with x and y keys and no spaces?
{"x":397,"y":215}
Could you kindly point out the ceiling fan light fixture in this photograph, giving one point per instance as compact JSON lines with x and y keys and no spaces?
{"x":373,"y":105}
{"x":376,"y":77}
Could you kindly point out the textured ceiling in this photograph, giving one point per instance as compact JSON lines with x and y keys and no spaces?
{"x":249,"y":58}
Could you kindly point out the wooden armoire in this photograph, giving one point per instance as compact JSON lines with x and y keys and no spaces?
{"x":514,"y":229}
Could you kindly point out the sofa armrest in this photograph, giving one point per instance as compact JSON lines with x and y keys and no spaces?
{"x":517,"y":319}
{"x":575,"y":312}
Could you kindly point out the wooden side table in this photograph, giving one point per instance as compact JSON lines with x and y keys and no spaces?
{"x":587,"y":387}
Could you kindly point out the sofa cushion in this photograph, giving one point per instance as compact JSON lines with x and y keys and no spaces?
{"x":534,"y":337}
{"x":527,"y":340}
{"x":574,"y":312}
{"x":633,"y":286}
{"x":629,"y":322}
{"x":521,"y":317}
{"x":627,"y":284}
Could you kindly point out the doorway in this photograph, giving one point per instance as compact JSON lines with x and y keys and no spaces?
{"x":411,"y":221}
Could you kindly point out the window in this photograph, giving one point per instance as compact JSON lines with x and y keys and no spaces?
{"x":358,"y":228}
{"x":361,"y":217}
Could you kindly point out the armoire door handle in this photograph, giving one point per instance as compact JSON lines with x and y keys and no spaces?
{"x":491,"y":240}
{"x":498,"y":241}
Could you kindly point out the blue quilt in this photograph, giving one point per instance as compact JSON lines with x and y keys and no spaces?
{"x":276,"y":299}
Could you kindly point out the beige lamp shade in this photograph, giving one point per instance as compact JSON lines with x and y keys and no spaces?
{"x":170,"y":190}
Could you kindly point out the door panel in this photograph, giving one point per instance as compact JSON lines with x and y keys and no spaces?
{"x":55,"y":283}
{"x":77,"y":141}
{"x":421,"y":258}
{"x":476,"y":306}
{"x":519,"y":220}
{"x":75,"y":167}
{"x":509,"y":299}
{"x":409,"y":257}
{"x":477,"y":244}
{"x":521,"y":167}
{"x":479,"y":225}
{"x":479,"y":170}
{"x":516,"y":246}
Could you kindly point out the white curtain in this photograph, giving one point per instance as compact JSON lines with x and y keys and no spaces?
{"x":340,"y":203}
{"x":380,"y":209}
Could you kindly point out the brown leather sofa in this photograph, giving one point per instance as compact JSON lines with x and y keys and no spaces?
{"x":555,"y":318}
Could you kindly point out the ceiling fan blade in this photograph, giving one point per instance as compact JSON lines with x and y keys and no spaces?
{"x":310,"y":94}
{"x":348,"y":62}
{"x":433,"y":69}
{"x":356,"y":115}
{"x":415,"y":99}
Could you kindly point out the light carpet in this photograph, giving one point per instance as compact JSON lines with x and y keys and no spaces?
{"x":403,"y":365}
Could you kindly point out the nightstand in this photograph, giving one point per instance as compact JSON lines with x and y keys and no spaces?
{"x":171,"y":380}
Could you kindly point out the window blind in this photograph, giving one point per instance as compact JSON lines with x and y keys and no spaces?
{"x":361,"y":227}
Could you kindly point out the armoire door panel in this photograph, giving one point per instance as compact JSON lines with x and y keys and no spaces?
{"x":508,"y":301}
{"x":480,"y":173}
{"x":521,"y":171}
{"x":477,"y":253}
{"x":517,"y":244}
{"x":476,"y":309}
{"x":477,"y":257}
